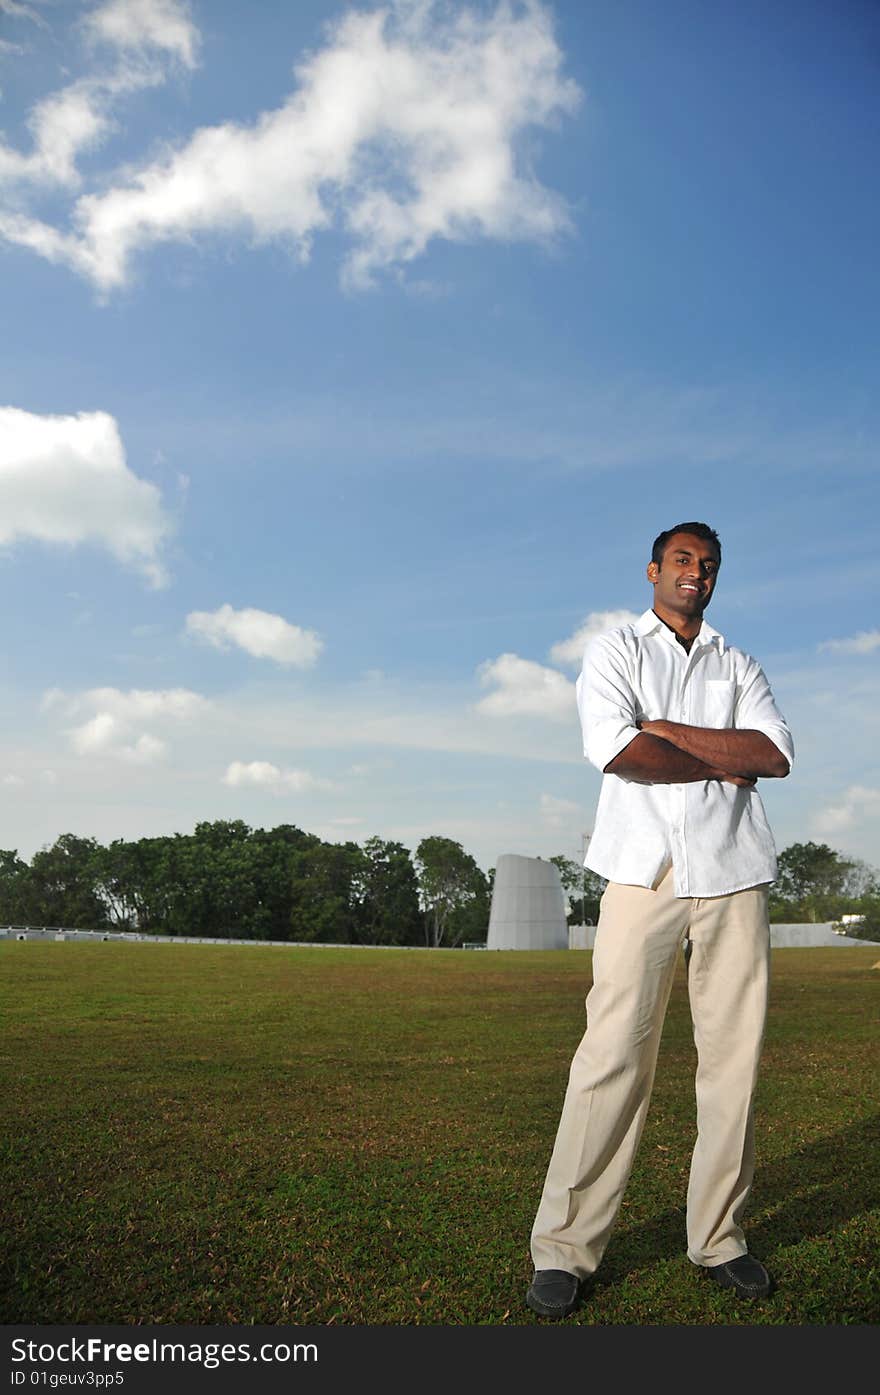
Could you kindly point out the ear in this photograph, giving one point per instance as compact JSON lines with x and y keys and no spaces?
{"x":653,"y":573}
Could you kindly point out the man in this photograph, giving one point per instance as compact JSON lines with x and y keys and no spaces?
{"x":682,"y":725}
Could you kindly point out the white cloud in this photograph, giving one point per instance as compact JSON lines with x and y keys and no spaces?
{"x":404,"y":127}
{"x":865,"y":642}
{"x":858,"y":803}
{"x":571,"y":651}
{"x":260,"y":633}
{"x":368,"y":723}
{"x":262,"y":774}
{"x":17,"y":10}
{"x":144,"y":35}
{"x":834,"y":818}
{"x":12,"y":780}
{"x":559,"y":813}
{"x":52,"y":697}
{"x":145,"y":751}
{"x":143,"y":24}
{"x":524,"y":688}
{"x":105,"y":733}
{"x":64,"y":479}
{"x":111,"y":729}
{"x":62,"y":126}
{"x":96,"y":735}
{"x":141,"y":704}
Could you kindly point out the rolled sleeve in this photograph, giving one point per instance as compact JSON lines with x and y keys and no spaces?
{"x":756,"y":710}
{"x":606,"y":704}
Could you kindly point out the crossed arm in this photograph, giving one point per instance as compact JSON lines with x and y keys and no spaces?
{"x":674,"y":753}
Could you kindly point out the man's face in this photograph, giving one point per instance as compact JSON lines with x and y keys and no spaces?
{"x":684,"y":582}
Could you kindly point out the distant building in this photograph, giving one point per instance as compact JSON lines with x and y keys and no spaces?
{"x":528,"y":905}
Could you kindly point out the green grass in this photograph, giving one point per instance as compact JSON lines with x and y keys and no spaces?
{"x":224,"y":1134}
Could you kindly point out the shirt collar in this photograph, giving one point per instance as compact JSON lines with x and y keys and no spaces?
{"x":648,"y":623}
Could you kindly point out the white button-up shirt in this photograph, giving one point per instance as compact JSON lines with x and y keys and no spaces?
{"x":715,"y":834}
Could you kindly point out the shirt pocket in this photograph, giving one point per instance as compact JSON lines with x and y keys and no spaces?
{"x":719,"y":697}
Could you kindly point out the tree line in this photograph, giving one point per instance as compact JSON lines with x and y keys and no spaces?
{"x":228,"y":880}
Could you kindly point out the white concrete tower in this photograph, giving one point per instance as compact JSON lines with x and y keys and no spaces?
{"x":528,"y":905}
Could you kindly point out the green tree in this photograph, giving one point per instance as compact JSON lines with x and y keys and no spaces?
{"x":818,"y":883}
{"x":132,"y":879}
{"x":810,"y":869}
{"x":217,"y":866}
{"x":583,"y":890}
{"x":117,"y":883}
{"x":224,"y":879}
{"x":469,"y":921}
{"x":64,"y":881}
{"x":271,"y":855}
{"x":810,"y":883}
{"x":388,"y":895}
{"x":15,"y":888}
{"x":861,"y":879}
{"x":164,"y":884}
{"x":449,"y":880}
{"x":325,"y":881}
{"x":182,"y":884}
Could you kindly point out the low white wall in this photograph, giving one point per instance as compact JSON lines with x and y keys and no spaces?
{"x":534,"y":935}
{"x":809,"y":936}
{"x":817,"y":936}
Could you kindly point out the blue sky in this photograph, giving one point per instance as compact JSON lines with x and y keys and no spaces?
{"x":352,"y":359}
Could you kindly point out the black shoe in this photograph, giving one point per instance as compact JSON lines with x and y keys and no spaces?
{"x":553,"y":1293}
{"x":745,"y":1275}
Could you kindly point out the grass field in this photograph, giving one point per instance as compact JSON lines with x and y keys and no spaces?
{"x":201,"y":1134}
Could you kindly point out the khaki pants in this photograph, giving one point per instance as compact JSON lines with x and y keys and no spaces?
{"x":638,"y":941}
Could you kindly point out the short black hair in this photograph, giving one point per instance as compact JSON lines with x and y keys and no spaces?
{"x":699,"y":530}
